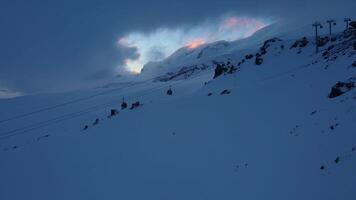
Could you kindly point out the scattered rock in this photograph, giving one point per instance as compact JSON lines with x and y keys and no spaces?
{"x":169,"y":92}
{"x":113,"y":112}
{"x":219,"y":69}
{"x":222,"y":68}
{"x":337,"y":160}
{"x":300,"y":43}
{"x":209,"y":94}
{"x":225,"y":92}
{"x":135,"y":105}
{"x":42,"y":137}
{"x":249,"y":56}
{"x":267,"y":44}
{"x":332,"y":127}
{"x":341,"y":87}
{"x":96,"y":122}
{"x":322,"y":167}
{"x":354,"y":64}
{"x":353,"y":24}
{"x":232,"y":69}
{"x":123,"y":105}
{"x":258,"y":60}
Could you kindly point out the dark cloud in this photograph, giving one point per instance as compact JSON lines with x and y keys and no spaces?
{"x":53,"y":45}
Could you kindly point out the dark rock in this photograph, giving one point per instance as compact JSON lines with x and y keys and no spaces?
{"x":123,"y":105}
{"x":219,"y":69}
{"x":222,"y":68}
{"x":42,"y":137}
{"x":322,"y":167}
{"x":96,"y":122}
{"x":113,"y":112}
{"x":312,"y":113}
{"x":225,"y":92}
{"x":135,"y":105}
{"x":341,"y":87}
{"x":267,"y":44}
{"x":300,"y":43}
{"x":258,"y":60}
{"x":325,"y":54}
{"x":209,"y":94}
{"x":337,"y":160}
{"x":353,"y":24}
{"x":232,"y":69}
{"x":249,"y":56}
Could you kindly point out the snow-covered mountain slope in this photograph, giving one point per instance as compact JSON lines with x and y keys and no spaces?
{"x":281,"y":125}
{"x":188,"y":61}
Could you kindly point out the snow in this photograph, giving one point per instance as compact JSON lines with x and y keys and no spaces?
{"x":267,"y":139}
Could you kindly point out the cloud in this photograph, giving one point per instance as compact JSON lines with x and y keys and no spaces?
{"x":160,"y":43}
{"x":8,"y":94}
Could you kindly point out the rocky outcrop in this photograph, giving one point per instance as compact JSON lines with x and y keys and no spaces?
{"x":353,"y":24}
{"x":267,"y":44}
{"x":258,"y":60}
{"x":300,"y":43}
{"x":341,"y":88}
{"x":222,"y":68}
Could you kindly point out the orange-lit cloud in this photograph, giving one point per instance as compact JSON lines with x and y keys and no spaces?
{"x":195,"y":43}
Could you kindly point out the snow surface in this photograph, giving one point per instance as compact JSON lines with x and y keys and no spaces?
{"x":267,"y":139}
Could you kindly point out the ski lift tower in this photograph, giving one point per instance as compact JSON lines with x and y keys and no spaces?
{"x":347,"y":21}
{"x":331,"y":23}
{"x":317,"y":25}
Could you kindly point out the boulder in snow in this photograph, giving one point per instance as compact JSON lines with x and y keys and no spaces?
{"x":353,"y":24}
{"x":341,"y":87}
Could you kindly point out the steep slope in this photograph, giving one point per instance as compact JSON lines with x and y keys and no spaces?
{"x":269,"y":130}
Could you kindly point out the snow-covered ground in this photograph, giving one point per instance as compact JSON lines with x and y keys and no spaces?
{"x":272,"y":134}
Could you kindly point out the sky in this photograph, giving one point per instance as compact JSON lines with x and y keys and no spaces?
{"x":55,"y":46}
